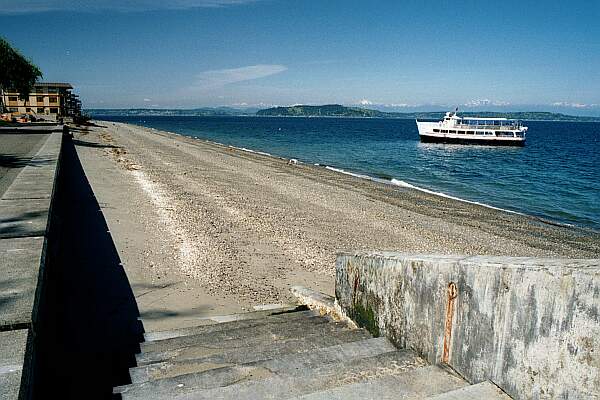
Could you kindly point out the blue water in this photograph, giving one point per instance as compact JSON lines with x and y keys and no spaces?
{"x":556,"y":176}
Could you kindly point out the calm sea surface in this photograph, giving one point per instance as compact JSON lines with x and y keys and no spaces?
{"x":555,"y":176}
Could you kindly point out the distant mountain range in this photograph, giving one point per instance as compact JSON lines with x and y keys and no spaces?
{"x":332,"y":110}
{"x":195,"y":112}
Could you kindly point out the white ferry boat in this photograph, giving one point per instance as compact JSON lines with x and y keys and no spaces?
{"x":463,"y":130}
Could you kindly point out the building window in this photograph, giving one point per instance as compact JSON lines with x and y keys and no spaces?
{"x":53,"y":99}
{"x":40,"y":99}
{"x":54,"y":110}
{"x":27,"y":109}
{"x":13,"y":109}
{"x":40,"y":110}
{"x":13,"y":98}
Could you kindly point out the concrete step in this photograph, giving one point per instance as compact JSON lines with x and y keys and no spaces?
{"x":288,"y":364}
{"x":258,"y":313}
{"x":290,"y":361}
{"x":197,"y":359}
{"x":242,"y":339}
{"x":265,"y":318}
{"x":262,"y":383}
{"x":484,"y":390}
{"x":416,"y":384}
{"x":232,"y":334}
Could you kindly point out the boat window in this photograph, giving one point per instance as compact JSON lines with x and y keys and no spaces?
{"x":444,"y":131}
{"x":470,"y":132}
{"x":436,"y":130}
{"x":451,"y":131}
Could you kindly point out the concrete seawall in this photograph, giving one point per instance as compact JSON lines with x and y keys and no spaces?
{"x":530,"y":325}
{"x":26,"y":223}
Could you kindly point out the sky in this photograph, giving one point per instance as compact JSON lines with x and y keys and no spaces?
{"x":401,"y":55}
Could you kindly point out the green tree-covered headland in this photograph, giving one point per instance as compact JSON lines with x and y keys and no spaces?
{"x":336,"y":110}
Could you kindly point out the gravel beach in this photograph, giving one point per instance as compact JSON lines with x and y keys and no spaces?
{"x":240,"y":228}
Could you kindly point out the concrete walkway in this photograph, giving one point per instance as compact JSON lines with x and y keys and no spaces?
{"x":28,"y":167}
{"x":16,"y":151}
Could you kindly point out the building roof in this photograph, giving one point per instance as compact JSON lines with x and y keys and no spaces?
{"x":54,"y":84}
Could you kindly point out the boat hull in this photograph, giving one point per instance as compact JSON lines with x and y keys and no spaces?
{"x":466,"y":140}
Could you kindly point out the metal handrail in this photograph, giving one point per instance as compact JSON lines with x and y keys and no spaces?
{"x":492,"y":127}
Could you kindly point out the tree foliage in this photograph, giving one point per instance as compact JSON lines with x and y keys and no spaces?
{"x":16,"y":72}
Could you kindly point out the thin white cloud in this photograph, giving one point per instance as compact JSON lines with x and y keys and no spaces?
{"x":221,"y":77}
{"x":37,"y":6}
{"x":485,"y":102}
{"x":365,"y":102}
{"x":574,"y":105}
{"x":147,"y":100}
{"x":401,"y":105}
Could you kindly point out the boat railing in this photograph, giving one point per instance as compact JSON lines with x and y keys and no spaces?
{"x":491,"y":127}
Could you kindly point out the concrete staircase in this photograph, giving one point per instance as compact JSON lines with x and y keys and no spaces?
{"x":287,"y":353}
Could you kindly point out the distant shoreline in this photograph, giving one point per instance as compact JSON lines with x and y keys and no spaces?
{"x":99,"y":116}
{"x":333,"y":111}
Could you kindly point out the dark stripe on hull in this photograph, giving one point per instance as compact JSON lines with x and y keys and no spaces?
{"x":481,"y":142}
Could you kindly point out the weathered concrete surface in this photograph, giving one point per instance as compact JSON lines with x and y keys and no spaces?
{"x":215,"y":358}
{"x":12,"y":352}
{"x":204,"y":346}
{"x":484,"y":390}
{"x":25,"y":205}
{"x":25,"y":209}
{"x":229,"y":325}
{"x":289,"y":364}
{"x":285,"y":383}
{"x":16,"y":152}
{"x":20,"y":263}
{"x":33,"y":128}
{"x":321,"y":302}
{"x":331,"y":364}
{"x":24,"y":218}
{"x":37,"y":179}
{"x":416,"y":384}
{"x":530,"y":325}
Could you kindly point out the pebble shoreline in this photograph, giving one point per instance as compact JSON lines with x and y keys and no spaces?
{"x":250,"y":225}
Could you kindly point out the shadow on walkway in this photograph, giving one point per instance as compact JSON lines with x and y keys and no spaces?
{"x":89,"y":332}
{"x":15,"y":161}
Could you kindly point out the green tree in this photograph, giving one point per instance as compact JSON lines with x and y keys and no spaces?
{"x":16,"y":72}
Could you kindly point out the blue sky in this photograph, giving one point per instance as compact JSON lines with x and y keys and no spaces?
{"x":395,"y":54}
